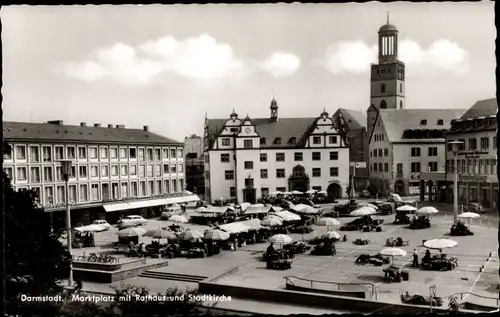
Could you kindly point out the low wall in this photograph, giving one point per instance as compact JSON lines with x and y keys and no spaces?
{"x":354,"y":294}
{"x":358,"y":305}
{"x":472,"y":306}
{"x":102,"y":276}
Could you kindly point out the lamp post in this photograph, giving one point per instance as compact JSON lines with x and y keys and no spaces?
{"x":455,"y":180}
{"x":66,"y":170}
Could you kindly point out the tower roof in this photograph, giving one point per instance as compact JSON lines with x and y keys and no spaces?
{"x":388,"y":27}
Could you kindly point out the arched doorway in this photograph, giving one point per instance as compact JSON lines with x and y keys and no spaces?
{"x":399,"y":187}
{"x":334,"y":190}
{"x":298,"y":180}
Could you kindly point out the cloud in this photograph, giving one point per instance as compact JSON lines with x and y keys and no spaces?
{"x":200,"y":58}
{"x":356,"y":56}
{"x":281,"y":64}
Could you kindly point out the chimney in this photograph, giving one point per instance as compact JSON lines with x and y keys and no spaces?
{"x":56,"y":122}
{"x":120,"y":126}
{"x":110,"y":125}
{"x":83,"y":124}
{"x":146,"y":128}
{"x":97,"y":125}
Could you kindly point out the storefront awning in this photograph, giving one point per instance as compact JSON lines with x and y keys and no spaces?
{"x":149,"y":203}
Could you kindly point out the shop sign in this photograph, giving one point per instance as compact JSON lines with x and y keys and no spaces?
{"x":472,"y":178}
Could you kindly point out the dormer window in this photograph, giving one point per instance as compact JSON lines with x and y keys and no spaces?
{"x":293,"y":141}
{"x":423,"y":122}
{"x":262,"y":141}
{"x":440,"y":122}
{"x":277,"y":141}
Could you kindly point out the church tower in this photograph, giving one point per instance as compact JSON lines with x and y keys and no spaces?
{"x":387,"y":88}
{"x":274,"y":110}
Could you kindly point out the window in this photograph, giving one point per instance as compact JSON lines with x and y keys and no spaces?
{"x":277,"y":141}
{"x":280,"y":157}
{"x":114,"y":170}
{"x":298,"y":156}
{"x":293,"y":141}
{"x":104,"y":153}
{"x":264,"y":191}
{"x":280,"y":173}
{"x":375,"y":165}
{"x":82,"y":153}
{"x":158,"y":154}
{"x":316,"y":156}
{"x":132,"y":152}
{"x":423,"y":122}
{"x":207,"y":158}
{"x":71,"y":151}
{"x":334,"y":171}
{"x":485,"y":143}
{"x":124,"y":191}
{"x":180,"y":153}
{"x":123,"y":153}
{"x":158,"y":170}
{"x":481,"y":164}
{"x":316,"y":140}
{"x":142,"y":155}
{"x":382,"y":88}
{"x":133,"y":189}
{"x":375,"y":153}
{"x":232,"y":191}
{"x":383,"y":104}
{"x":142,"y":171}
{"x":151,"y":188}
{"x":317,"y":188}
{"x":316,"y":172}
{"x":248,"y":144}
{"x":124,"y":170}
{"x":248,"y":165}
{"x":415,"y":167}
{"x":248,"y":182}
{"x":226,"y":142}
{"x":60,"y":194}
{"x":104,"y":171}
{"x":399,"y":169}
{"x":48,"y":195}
{"x":82,"y":171}
{"x":8,"y":171}
{"x":401,"y":90}
{"x":172,"y":154}
{"x":133,"y":170}
{"x":165,"y":154}
{"x":59,"y":150}
{"x":263,"y":157}
{"x":494,"y":142}
{"x":20,"y":152}
{"x":8,"y":155}
{"x":158,"y":188}
{"x":332,"y":139}
{"x":433,"y":166}
{"x":94,"y":171}
{"x":173,"y":168}
{"x":94,"y":192}
{"x":149,"y":170}
{"x":472,"y":144}
{"x":233,"y":130}
{"x":440,"y":122}
{"x":493,"y":166}
{"x":334,"y":156}
{"x":149,"y":153}
{"x":228,"y":175}
{"x":113,"y":153}
{"x":262,"y":141}
{"x":281,"y":189}
{"x":263,"y":173}
{"x":47,"y":154}
{"x":166,"y":169}
{"x":386,"y":152}
{"x":461,"y":146}
{"x":224,"y":158}
{"x":380,"y":152}
{"x":142,"y":187}
{"x":433,"y":151}
{"x":34,"y":154}
{"x":380,"y":167}
{"x":93,"y":153}
{"x":22,"y":174}
{"x":72,"y":194}
{"x":386,"y":167}
{"x":35,"y":174}
{"x":415,"y":151}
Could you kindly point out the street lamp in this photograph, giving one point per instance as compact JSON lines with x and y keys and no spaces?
{"x":66,"y":170}
{"x":455,"y":181}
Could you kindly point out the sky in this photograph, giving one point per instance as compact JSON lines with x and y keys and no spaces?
{"x":170,"y":66}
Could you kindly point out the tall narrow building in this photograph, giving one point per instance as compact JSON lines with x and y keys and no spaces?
{"x":387,"y":89}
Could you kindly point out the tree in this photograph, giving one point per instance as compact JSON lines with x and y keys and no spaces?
{"x":35,"y":259}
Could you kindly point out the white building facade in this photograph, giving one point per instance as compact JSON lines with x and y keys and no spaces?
{"x":247,"y":159}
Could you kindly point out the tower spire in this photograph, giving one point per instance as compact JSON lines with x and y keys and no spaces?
{"x":388,"y":15}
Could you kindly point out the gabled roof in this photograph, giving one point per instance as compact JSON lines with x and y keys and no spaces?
{"x":354,"y":119}
{"x":396,"y":121}
{"x":482,"y":108}
{"x":284,"y":128}
{"x":45,"y":132}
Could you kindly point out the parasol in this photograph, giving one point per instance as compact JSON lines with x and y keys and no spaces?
{"x":363,"y":211}
{"x":130,"y":232}
{"x":280,"y":239}
{"x":468,"y":215}
{"x":288,"y":216}
{"x":306,"y":209}
{"x":190,"y":235}
{"x":201,"y":209}
{"x":311,"y":191}
{"x":439,"y":244}
{"x":327,"y":222}
{"x":272,"y":222}
{"x":393,"y":252}
{"x":406,"y":208}
{"x":160,"y":233}
{"x":331,"y":235}
{"x":427,"y":211}
{"x":178,"y":218}
{"x":296,"y":192}
{"x":216,"y":235}
{"x":365,"y":204}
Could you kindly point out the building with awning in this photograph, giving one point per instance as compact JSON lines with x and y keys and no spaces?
{"x":130,"y":205}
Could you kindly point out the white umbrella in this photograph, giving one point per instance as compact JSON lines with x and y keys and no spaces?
{"x":327,"y":222}
{"x":160,"y":233}
{"x":322,"y":192}
{"x":275,"y":209}
{"x":304,"y":209}
{"x":273,"y":216}
{"x":287,"y":193}
{"x":406,"y":208}
{"x":331,"y":235}
{"x":178,"y":218}
{"x":395,"y":197}
{"x":216,"y":235}
{"x":363,"y":211}
{"x":296,"y":192}
{"x":288,"y":216}
{"x":130,"y":232}
{"x":440,"y":244}
{"x":280,"y":239}
{"x":393,"y":252}
{"x":311,"y":191}
{"x":190,"y":235}
{"x":244,"y":206}
{"x":272,"y":222}
{"x":257,"y":209}
{"x":275,"y":193}
{"x":427,"y":211}
{"x":468,"y":215}
{"x":201,"y":209}
{"x":365,"y":204}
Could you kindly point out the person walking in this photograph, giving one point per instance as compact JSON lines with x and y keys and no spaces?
{"x":415,"y":258}
{"x":143,"y":250}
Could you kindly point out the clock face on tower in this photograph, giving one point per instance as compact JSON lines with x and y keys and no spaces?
{"x":248,"y":130}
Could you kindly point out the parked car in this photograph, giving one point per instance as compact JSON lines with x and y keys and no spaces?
{"x":102,"y":223}
{"x":132,"y":221}
{"x":476,"y":207}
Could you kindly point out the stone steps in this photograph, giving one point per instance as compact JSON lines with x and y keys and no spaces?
{"x":173,"y":276}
